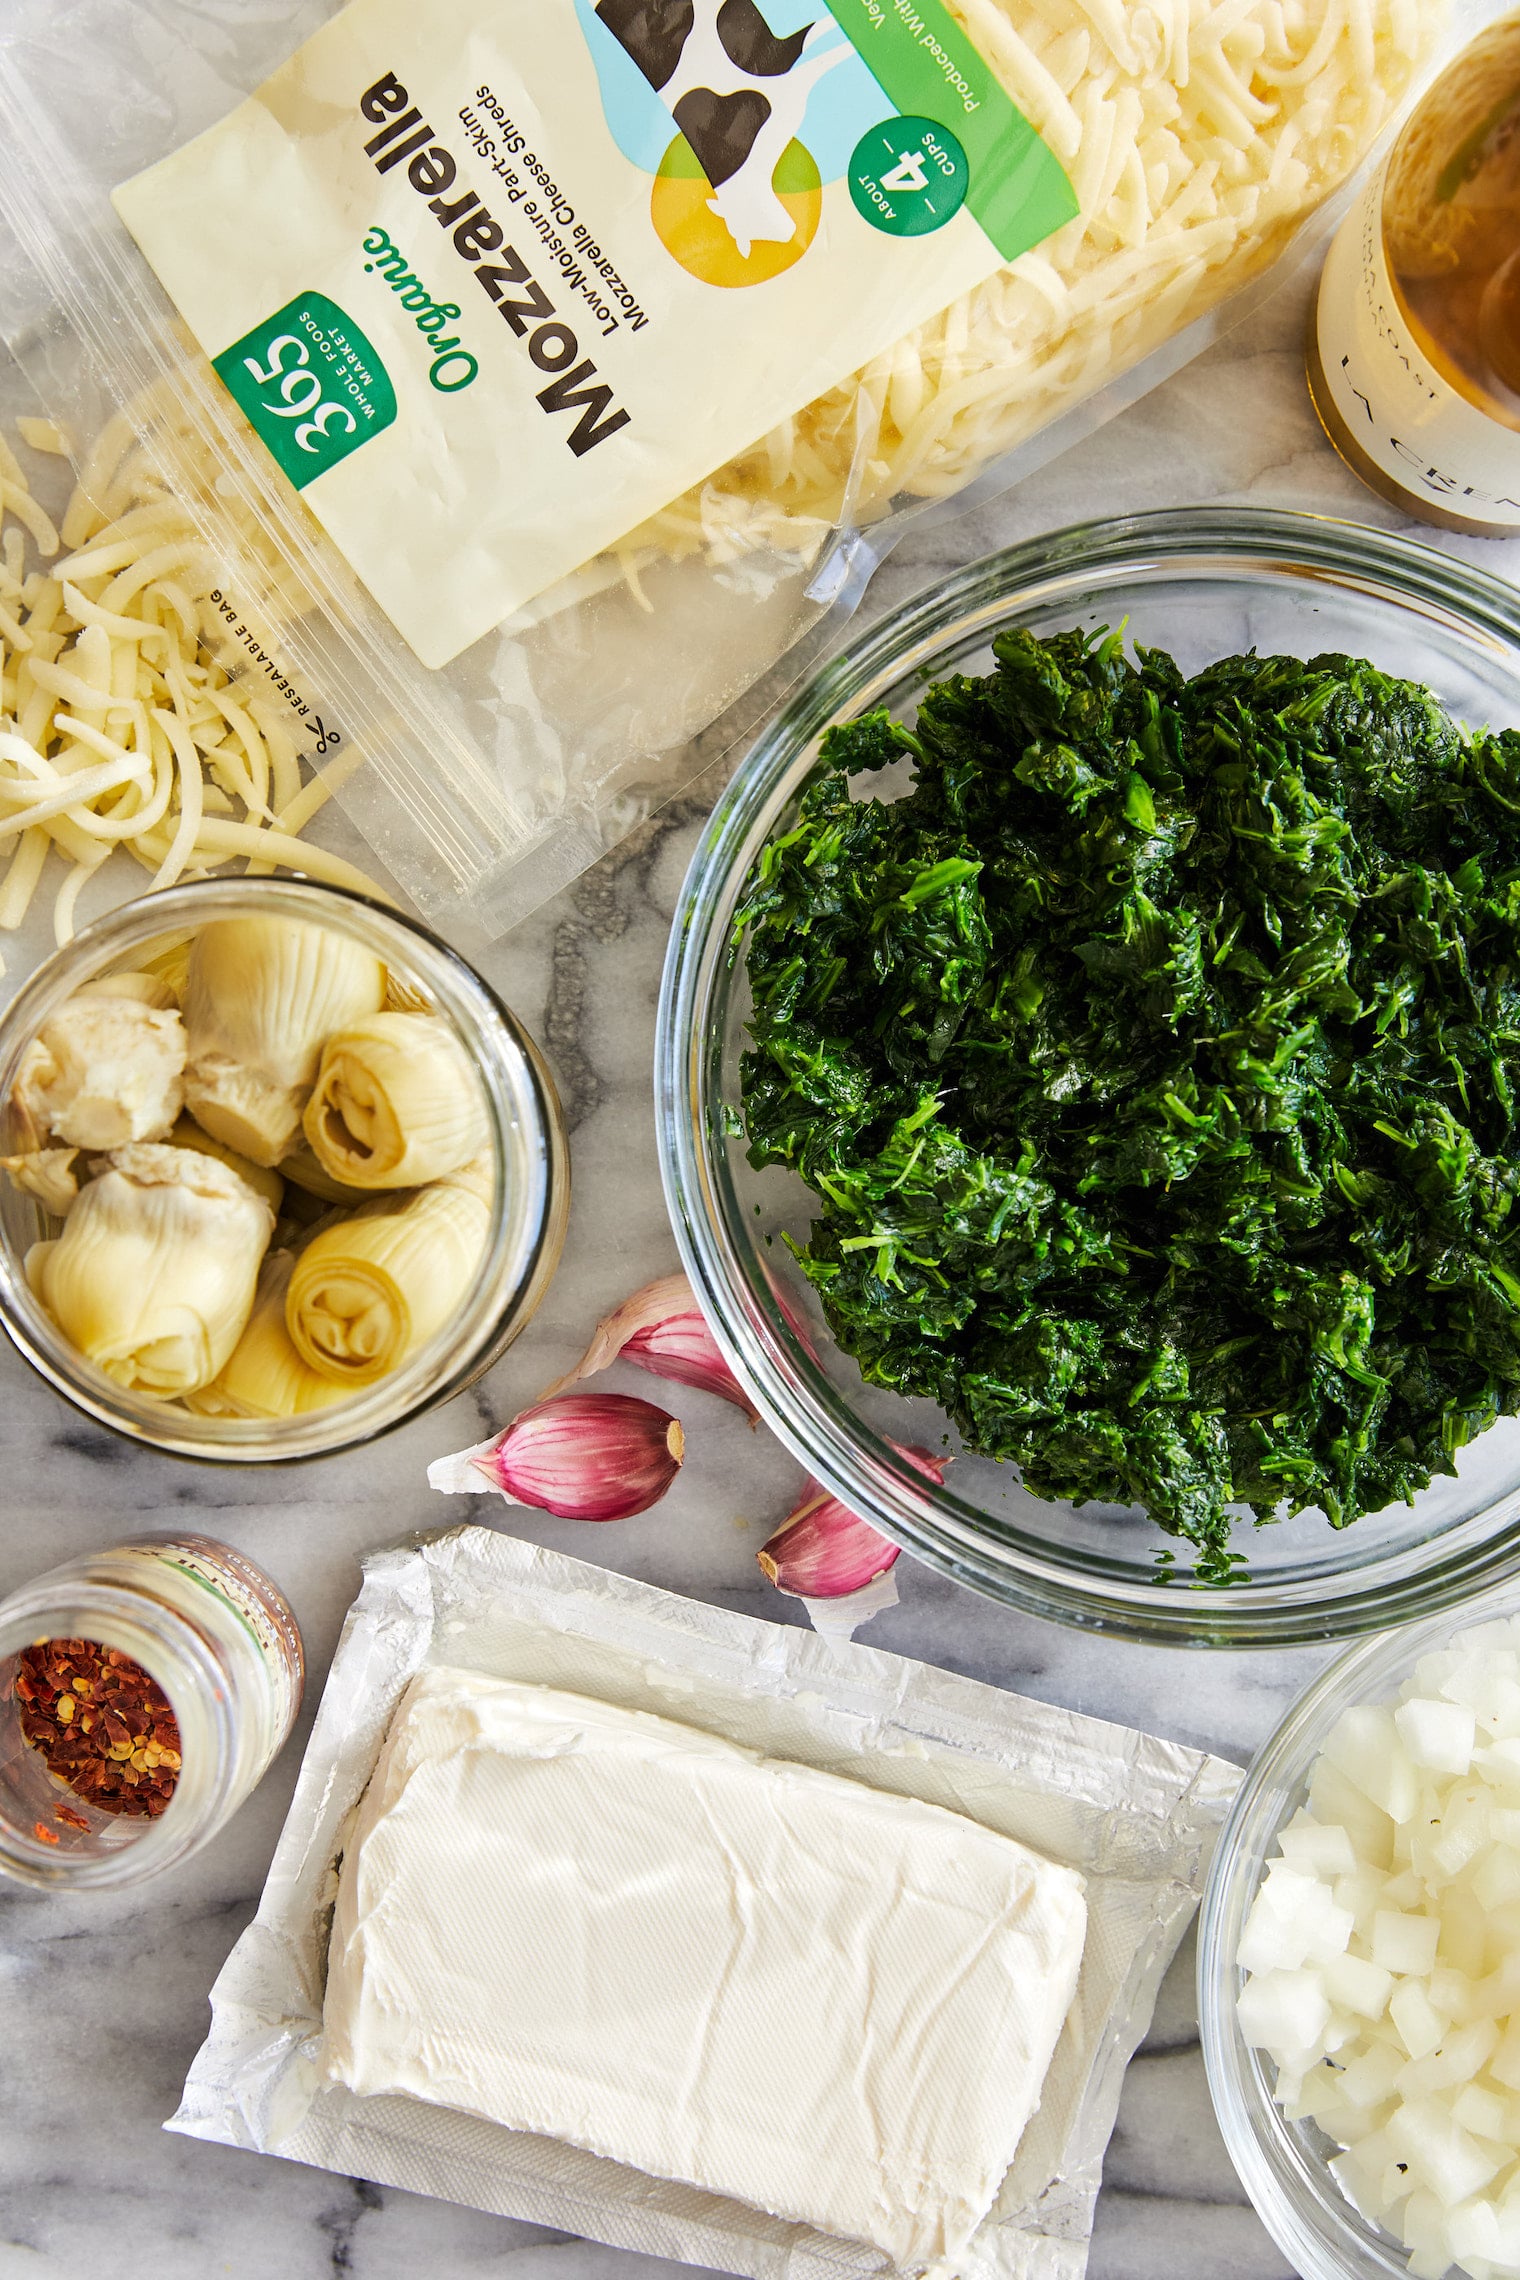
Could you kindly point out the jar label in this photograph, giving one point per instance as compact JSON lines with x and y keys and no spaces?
{"x":237,"y":1584}
{"x":1408,"y":419}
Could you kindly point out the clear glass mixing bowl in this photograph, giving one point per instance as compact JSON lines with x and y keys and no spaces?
{"x":1283,"y":2164}
{"x":1202,"y":583}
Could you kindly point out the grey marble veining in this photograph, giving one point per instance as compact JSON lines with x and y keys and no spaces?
{"x":102,"y":2000}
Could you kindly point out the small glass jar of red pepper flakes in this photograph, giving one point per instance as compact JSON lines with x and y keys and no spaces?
{"x":144,"y":1690}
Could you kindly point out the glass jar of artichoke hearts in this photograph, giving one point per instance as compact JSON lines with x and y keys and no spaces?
{"x":237,"y":1302}
{"x":144,"y":1692}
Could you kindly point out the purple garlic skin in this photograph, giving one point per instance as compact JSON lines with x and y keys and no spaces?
{"x":823,"y":1550}
{"x":586,"y":1456}
{"x":661,"y":1329}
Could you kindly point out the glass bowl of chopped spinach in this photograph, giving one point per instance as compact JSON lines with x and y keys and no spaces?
{"x":1090,"y":1049}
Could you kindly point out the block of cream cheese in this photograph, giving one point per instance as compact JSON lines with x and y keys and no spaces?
{"x":592,"y":1923}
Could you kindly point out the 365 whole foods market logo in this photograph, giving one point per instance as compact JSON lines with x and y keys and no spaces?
{"x":312,"y":384}
{"x":741,"y":116}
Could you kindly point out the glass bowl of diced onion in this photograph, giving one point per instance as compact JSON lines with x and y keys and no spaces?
{"x":1359,"y":1959}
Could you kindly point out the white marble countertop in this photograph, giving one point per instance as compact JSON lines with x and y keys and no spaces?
{"x":103,"y":2000}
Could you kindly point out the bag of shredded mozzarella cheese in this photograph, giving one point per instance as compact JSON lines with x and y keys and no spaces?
{"x":531,"y":386}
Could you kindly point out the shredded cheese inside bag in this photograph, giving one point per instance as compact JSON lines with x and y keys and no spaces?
{"x":122,"y":722}
{"x":1197,"y":134}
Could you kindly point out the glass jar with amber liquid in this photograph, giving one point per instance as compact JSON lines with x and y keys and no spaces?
{"x":1414,"y":344}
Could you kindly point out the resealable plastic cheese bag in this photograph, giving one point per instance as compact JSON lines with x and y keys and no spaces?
{"x":543,"y":378}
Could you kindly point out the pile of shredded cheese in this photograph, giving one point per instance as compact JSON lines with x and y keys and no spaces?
{"x":1197,"y":135}
{"x":125,"y":720}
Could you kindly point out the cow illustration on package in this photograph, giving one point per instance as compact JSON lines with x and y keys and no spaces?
{"x":736,"y":90}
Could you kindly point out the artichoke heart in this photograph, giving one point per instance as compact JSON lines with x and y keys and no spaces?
{"x":300,"y":1167}
{"x":264,"y":1376}
{"x":49,"y":1175}
{"x":153,"y":1276}
{"x":403,"y":995}
{"x":261,"y":996}
{"x":145,"y":989}
{"x":167,"y":960}
{"x":370,"y":1290}
{"x":396,"y":1103}
{"x":101,"y":1072}
{"x":188,"y":1134}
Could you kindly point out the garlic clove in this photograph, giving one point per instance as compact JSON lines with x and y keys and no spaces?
{"x":583,"y":1456}
{"x":662,"y":1330}
{"x":823,"y":1550}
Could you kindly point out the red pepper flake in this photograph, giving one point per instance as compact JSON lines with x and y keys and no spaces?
{"x":41,"y":1829}
{"x":93,"y":1759}
{"x":70,"y":1819}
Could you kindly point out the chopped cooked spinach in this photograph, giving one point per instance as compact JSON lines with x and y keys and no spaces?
{"x":1155,"y":1061}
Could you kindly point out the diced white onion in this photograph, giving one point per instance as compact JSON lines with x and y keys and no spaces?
{"x":1382,"y":1953}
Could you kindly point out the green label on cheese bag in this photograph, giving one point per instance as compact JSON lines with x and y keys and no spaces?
{"x":311,"y":384}
{"x":908,"y":177}
{"x":1010,"y":182}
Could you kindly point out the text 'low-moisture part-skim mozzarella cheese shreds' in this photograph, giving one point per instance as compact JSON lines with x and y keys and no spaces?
{"x":772,"y":1983}
{"x":1382,"y":1955}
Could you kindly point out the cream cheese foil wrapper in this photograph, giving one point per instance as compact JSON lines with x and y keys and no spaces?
{"x":1137,"y":1816}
